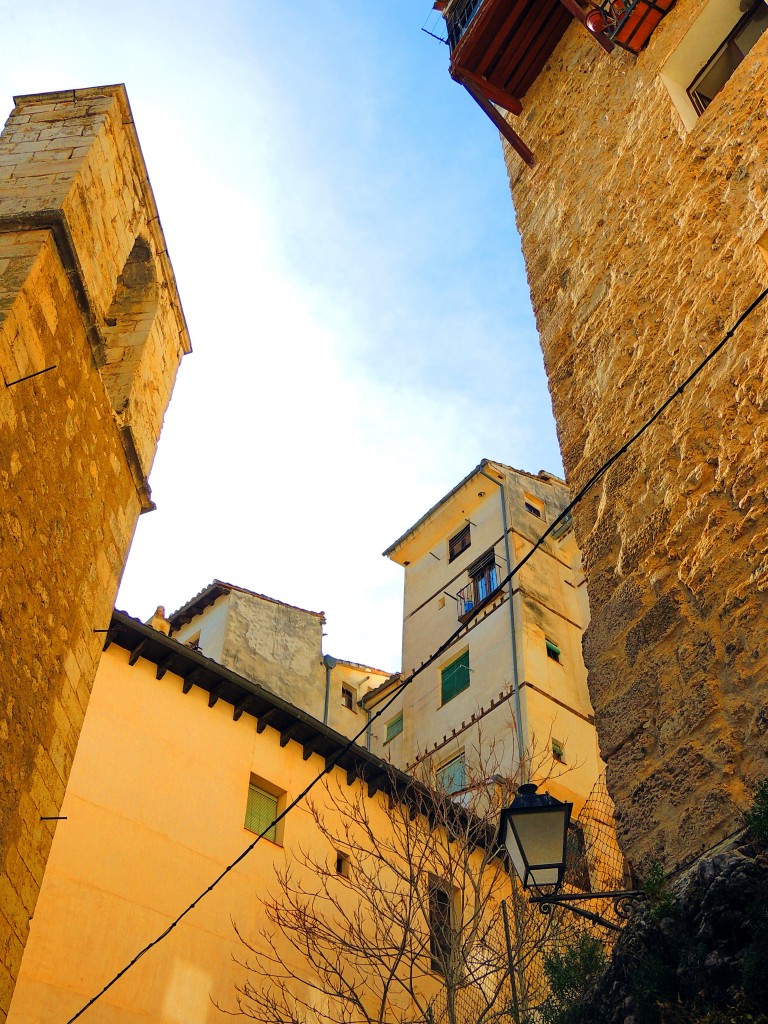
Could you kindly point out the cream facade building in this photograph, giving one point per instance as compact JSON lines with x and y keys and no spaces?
{"x":513,"y":680}
{"x":181,"y":761}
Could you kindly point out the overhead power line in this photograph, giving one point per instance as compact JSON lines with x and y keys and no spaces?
{"x":331,"y":763}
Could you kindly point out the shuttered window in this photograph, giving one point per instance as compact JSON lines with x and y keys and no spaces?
{"x":454,"y":678}
{"x":395,"y":727}
{"x":452,"y":777}
{"x":260,"y":812}
{"x":553,"y":651}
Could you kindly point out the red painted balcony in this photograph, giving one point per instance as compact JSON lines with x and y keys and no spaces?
{"x":500,"y":47}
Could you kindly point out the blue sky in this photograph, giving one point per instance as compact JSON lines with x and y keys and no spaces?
{"x":338,"y":217}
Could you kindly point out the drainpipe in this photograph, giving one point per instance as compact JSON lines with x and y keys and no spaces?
{"x":510,"y":602}
{"x":330,"y":664}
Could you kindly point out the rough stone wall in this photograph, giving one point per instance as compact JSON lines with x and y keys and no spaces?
{"x":74,"y":199}
{"x":640,"y":243}
{"x":278,"y":646}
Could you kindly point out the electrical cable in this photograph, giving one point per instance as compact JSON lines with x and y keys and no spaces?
{"x":332,"y":762}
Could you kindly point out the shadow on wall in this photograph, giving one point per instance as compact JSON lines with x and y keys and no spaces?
{"x":128,"y":322}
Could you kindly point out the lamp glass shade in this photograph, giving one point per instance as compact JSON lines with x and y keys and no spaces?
{"x":535,"y":830}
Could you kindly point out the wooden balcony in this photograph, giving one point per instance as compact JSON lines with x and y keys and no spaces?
{"x":500,"y":47}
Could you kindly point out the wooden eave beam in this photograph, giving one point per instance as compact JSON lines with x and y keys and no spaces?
{"x":163,"y":666}
{"x":135,"y":654}
{"x":525,"y":74}
{"x":190,"y":680}
{"x":215,"y":693}
{"x":489,"y":90}
{"x":531,"y":40}
{"x":264,"y":718}
{"x":240,"y":707}
{"x":503,"y":33}
{"x":375,"y":784}
{"x":501,"y":123}
{"x":310,"y":746}
{"x":287,"y":733}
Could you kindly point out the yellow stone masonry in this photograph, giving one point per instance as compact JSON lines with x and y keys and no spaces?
{"x":87,"y":295}
{"x":640,"y":240}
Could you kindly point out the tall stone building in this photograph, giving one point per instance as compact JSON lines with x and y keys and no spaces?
{"x":642,"y":219}
{"x":91,"y":335}
{"x":513,"y":680}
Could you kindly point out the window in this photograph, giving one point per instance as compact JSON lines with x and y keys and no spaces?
{"x":484,"y":581}
{"x":394,"y":728}
{"x":342,"y":864}
{"x":458,"y":543}
{"x":260,"y":812}
{"x":452,"y":776}
{"x":731,"y":52}
{"x":348,"y":697}
{"x":710,"y":52}
{"x":533,"y":509}
{"x":553,"y":651}
{"x":558,"y":751}
{"x":441,"y":932}
{"x":454,"y":678}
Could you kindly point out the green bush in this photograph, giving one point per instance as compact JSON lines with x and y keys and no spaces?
{"x":570,"y":974}
{"x":757,"y":815}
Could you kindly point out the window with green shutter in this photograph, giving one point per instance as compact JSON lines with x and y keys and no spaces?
{"x":260,"y":812}
{"x":452,"y":777}
{"x":395,"y":727}
{"x":454,"y":678}
{"x":553,"y":651}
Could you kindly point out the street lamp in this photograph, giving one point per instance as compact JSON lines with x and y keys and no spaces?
{"x":534,"y":831}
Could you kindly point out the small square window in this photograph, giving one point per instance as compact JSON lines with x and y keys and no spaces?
{"x":553,"y":651}
{"x":533,"y":509}
{"x":558,"y":751}
{"x":342,"y":864}
{"x":394,"y":728}
{"x":454,"y":678}
{"x":348,"y":698}
{"x":260,"y":812}
{"x":458,"y":543}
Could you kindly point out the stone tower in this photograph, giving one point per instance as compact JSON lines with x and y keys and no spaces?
{"x":91,"y":335}
{"x":641,"y":222}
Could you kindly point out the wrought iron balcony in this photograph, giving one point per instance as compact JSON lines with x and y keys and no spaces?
{"x":479,"y":590}
{"x":629,"y":23}
{"x":457,"y":19}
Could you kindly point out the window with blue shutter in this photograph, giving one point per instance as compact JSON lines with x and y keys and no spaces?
{"x":452,"y":777}
{"x":454,"y":678}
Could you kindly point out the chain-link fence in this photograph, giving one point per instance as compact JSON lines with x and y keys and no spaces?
{"x":505,"y":977}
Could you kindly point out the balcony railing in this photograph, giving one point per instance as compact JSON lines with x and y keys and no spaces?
{"x":458,"y":18}
{"x":630,"y":23}
{"x":478,"y":591}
